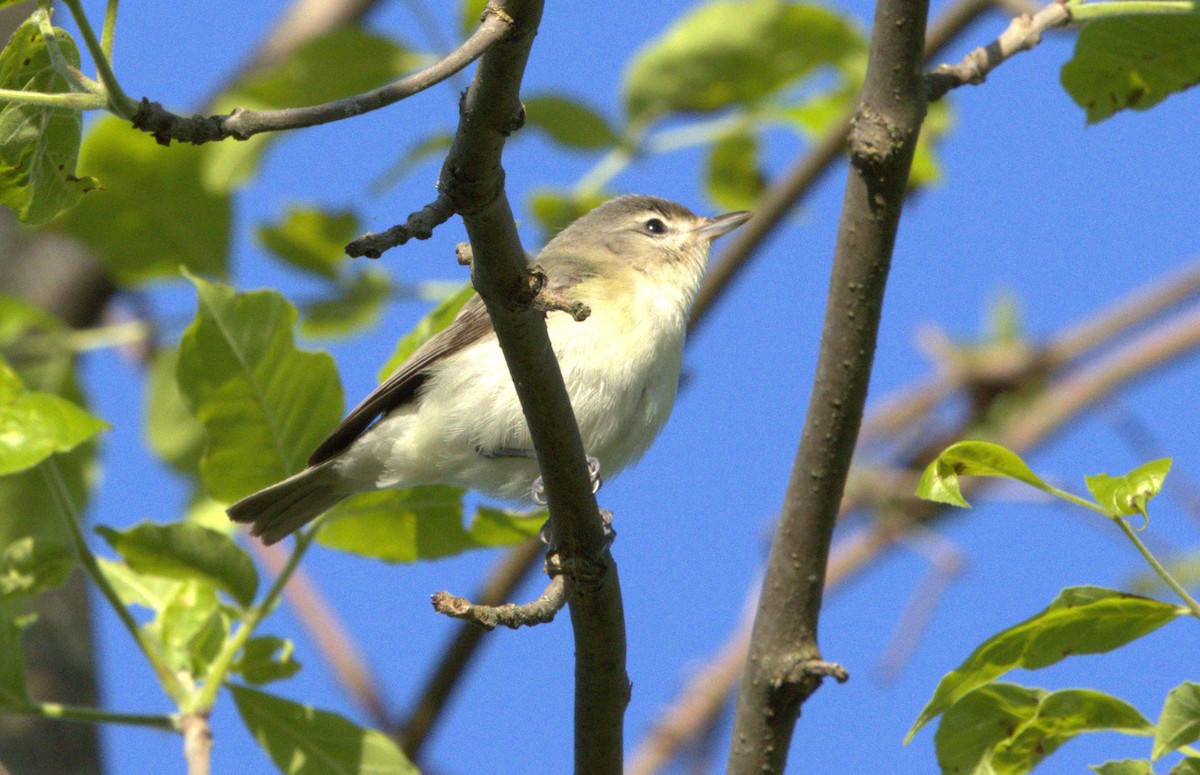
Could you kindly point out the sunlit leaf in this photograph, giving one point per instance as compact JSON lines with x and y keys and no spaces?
{"x":939,"y":482}
{"x":172,"y":431}
{"x":569,"y":122}
{"x":435,"y":321}
{"x":1179,"y":723}
{"x":1124,"y":767}
{"x":342,"y":63}
{"x":358,"y":305}
{"x":926,"y":169}
{"x":469,"y":14}
{"x":304,"y":741}
{"x":39,"y":146}
{"x":258,"y":397}
{"x":30,"y":565}
{"x":153,"y":215}
{"x":421,"y":523}
{"x":266,"y":658}
{"x":144,"y":589}
{"x":311,"y":239}
{"x":182,"y":550}
{"x":1125,"y":495}
{"x":725,"y":53}
{"x":1005,"y":729}
{"x":190,"y":629}
{"x":1081,"y":620}
{"x":555,"y":210}
{"x":1189,"y":765}
{"x":34,"y":426}
{"x":1132,"y":62}
{"x":734,"y":179}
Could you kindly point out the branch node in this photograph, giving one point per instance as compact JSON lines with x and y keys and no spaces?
{"x":546,"y":300}
{"x":874,"y":139}
{"x":165,"y":126}
{"x":540,"y":611}
{"x":464,"y":254}
{"x":420,"y":225}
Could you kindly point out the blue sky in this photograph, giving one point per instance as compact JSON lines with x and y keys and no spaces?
{"x":1065,"y":216}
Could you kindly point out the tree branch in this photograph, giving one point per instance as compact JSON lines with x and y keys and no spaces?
{"x":243,"y":124}
{"x":779,"y":674}
{"x":420,"y":225}
{"x":540,"y":611}
{"x":473,"y":180}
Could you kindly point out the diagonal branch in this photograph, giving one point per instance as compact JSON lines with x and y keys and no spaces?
{"x":243,"y":124}
{"x":784,"y":666}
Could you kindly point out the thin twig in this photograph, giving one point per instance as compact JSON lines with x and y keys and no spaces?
{"x":242,"y":124}
{"x":1023,"y":33}
{"x":540,"y":611}
{"x":420,"y":225}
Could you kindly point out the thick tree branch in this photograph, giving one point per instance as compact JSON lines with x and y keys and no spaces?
{"x":473,"y":180}
{"x":243,"y":124}
{"x":778,"y":676}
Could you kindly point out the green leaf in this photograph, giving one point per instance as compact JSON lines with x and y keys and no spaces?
{"x":357,"y":306}
{"x":422,"y":523}
{"x":13,"y":620}
{"x":190,"y":628}
{"x":153,"y":215}
{"x":304,"y":741}
{"x":258,"y":397}
{"x":34,"y":426}
{"x":311,"y":239}
{"x":342,"y":63}
{"x":1007,"y":729}
{"x":1081,"y":620}
{"x":266,"y":658}
{"x":1179,"y":723}
{"x":939,"y":482}
{"x":569,"y":122}
{"x":555,"y":210}
{"x":926,"y":169}
{"x":182,"y":550}
{"x":29,"y":565}
{"x":172,"y":431}
{"x":435,"y":321}
{"x":1132,"y":62}
{"x":734,"y":53}
{"x":1124,"y":495}
{"x":1189,"y":765}
{"x":1124,"y":767}
{"x":133,"y":588}
{"x":734,"y":179}
{"x":470,"y":14}
{"x":39,"y":146}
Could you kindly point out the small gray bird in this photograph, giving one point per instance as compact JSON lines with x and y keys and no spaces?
{"x":449,"y":414}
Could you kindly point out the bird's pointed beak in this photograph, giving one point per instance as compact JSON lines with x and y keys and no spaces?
{"x":719,"y":226}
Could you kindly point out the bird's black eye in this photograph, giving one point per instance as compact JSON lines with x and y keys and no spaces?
{"x":656,"y":226}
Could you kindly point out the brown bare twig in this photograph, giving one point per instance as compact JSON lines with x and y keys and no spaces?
{"x":420,"y":225}
{"x":540,"y":611}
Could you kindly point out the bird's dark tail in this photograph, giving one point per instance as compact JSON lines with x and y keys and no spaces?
{"x":284,"y":508}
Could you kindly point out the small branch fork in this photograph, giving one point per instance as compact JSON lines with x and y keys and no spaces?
{"x":243,"y":124}
{"x":1023,"y":33}
{"x":511,"y":615}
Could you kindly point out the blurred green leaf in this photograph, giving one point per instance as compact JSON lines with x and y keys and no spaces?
{"x":13,"y":620}
{"x":422,"y":523}
{"x":555,"y":210}
{"x":182,"y":550}
{"x":1125,"y":495}
{"x":133,"y":588}
{"x":266,"y":658}
{"x":34,"y":426}
{"x":569,"y":122}
{"x":30,"y":565}
{"x":153,"y":214}
{"x":727,"y":53}
{"x":1081,"y":620}
{"x":190,"y":628}
{"x":939,"y":482}
{"x":1132,"y":62}
{"x":357,"y":306}
{"x":1179,"y":722}
{"x":311,"y":239}
{"x":1007,"y":729}
{"x":735,"y":181}
{"x":172,"y":431}
{"x":926,"y":169}
{"x":39,"y":146}
{"x":340,"y":64}
{"x":471,"y":11}
{"x":435,"y":321}
{"x":258,"y":397}
{"x":304,"y":741}
{"x":1188,"y":765}
{"x":1124,"y":767}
